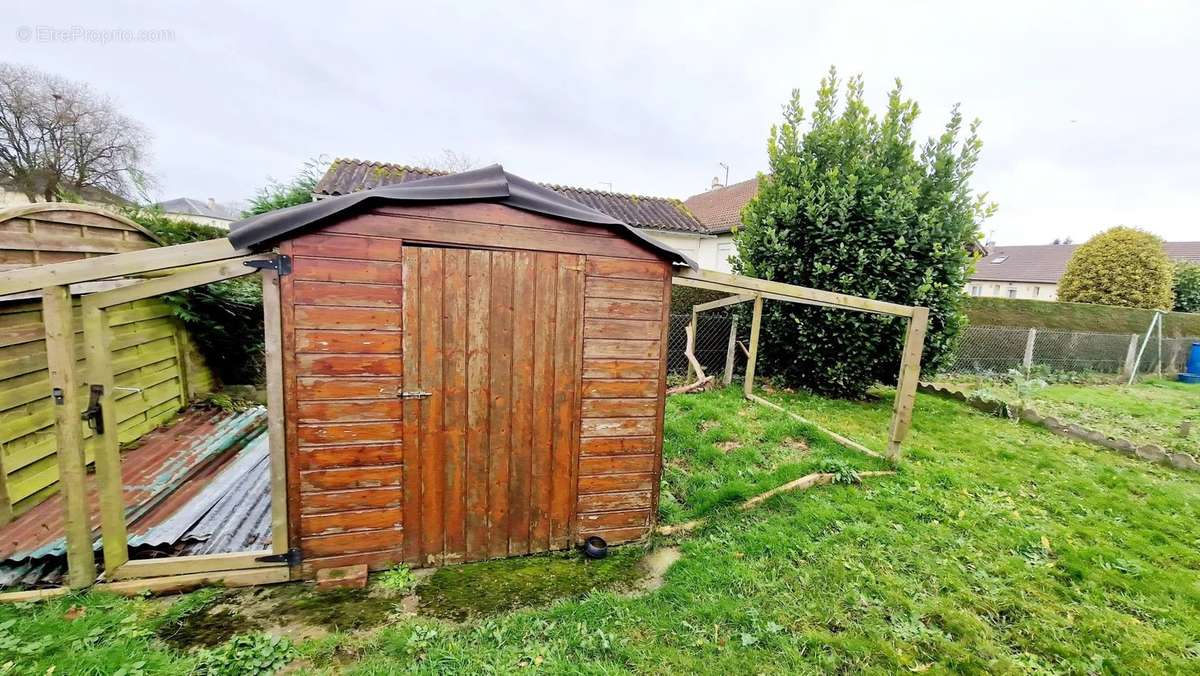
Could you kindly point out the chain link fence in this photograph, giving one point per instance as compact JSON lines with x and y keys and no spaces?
{"x":996,"y":349}
{"x":712,"y":343}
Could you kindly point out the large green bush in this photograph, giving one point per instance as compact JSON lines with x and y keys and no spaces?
{"x":224,"y":318}
{"x":1120,"y":266}
{"x":1187,"y":287}
{"x":850,"y":205}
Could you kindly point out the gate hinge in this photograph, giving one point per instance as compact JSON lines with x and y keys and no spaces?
{"x":291,"y":557}
{"x":93,"y":413}
{"x":281,"y":264}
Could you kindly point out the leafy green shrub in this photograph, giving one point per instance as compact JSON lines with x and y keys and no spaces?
{"x":283,"y":194}
{"x":851,"y":206}
{"x":1187,"y":287}
{"x":398,"y":579}
{"x":246,"y":655}
{"x":1120,"y":266}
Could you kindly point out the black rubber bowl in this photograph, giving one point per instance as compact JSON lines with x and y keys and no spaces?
{"x":595,"y":547}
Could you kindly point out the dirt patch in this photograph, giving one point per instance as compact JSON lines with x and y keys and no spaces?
{"x":708,"y":425}
{"x":797,"y":445}
{"x":654,"y":569}
{"x":728,"y":446}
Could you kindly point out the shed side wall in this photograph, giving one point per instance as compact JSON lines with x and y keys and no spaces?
{"x":624,"y":379}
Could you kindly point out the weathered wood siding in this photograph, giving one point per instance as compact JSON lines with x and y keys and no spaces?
{"x":483,"y":307}
{"x":626,"y":304}
{"x":150,"y":353}
{"x":342,"y":377}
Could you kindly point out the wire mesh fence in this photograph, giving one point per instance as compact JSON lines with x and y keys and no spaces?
{"x":712,"y":342}
{"x":996,"y":349}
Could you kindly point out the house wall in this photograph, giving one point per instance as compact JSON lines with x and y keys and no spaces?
{"x":1006,"y":289}
{"x":711,"y":252}
{"x":202,"y":220}
{"x":361,"y":471}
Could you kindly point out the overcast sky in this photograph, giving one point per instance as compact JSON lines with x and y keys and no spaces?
{"x":1089,"y":109}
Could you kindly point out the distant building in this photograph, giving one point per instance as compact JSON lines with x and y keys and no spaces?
{"x":1033,"y":271}
{"x":204,"y":212}
{"x":665,"y":219}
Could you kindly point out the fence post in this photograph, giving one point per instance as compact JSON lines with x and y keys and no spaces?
{"x":1027,"y":362}
{"x":691,"y":372}
{"x":1131,"y":354}
{"x":752,"y":358}
{"x":730,"y":350}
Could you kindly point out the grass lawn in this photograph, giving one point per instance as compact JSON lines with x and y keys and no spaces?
{"x":999,"y":548}
{"x":1147,"y":412}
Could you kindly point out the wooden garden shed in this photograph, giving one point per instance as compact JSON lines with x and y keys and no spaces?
{"x":473,"y":367}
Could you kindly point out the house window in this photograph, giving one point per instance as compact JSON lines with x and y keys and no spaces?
{"x":1037,"y":291}
{"x":976,"y":290}
{"x":725,"y":256}
{"x":1012,"y":293}
{"x":995,"y":289}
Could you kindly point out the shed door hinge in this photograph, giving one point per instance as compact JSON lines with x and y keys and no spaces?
{"x":94,"y":414}
{"x":281,"y":264}
{"x":291,"y":557}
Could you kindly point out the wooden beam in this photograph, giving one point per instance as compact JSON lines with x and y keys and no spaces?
{"x":721,"y":302}
{"x":752,"y":359}
{"x":190,"y":565}
{"x":197,"y":276}
{"x":276,"y":429}
{"x":844,"y":441}
{"x":34,"y":595}
{"x":692,"y":372}
{"x":116,"y":265}
{"x":790,"y":292}
{"x":906,"y":387}
{"x":68,"y":429}
{"x":179,"y":583}
{"x":97,"y":340}
{"x":731,"y":351}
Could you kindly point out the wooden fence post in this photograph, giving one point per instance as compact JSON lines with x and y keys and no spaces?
{"x":691,"y":372}
{"x":68,"y":429}
{"x":276,"y":430}
{"x":906,"y":386}
{"x":1131,"y":354}
{"x":731,"y":350}
{"x":1027,"y":362}
{"x":97,"y":339}
{"x":752,"y":358}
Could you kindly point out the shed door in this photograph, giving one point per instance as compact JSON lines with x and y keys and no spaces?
{"x":490,"y":455}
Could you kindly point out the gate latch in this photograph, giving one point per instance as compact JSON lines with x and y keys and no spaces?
{"x":93,"y":414}
{"x":291,"y":557}
{"x":414,"y":394}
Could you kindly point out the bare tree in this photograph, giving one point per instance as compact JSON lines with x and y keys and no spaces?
{"x":451,"y":162}
{"x":59,"y":137}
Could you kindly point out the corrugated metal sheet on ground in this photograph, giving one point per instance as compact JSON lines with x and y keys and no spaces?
{"x":169,"y":469}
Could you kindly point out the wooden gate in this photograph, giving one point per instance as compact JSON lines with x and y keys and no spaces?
{"x":494,"y":339}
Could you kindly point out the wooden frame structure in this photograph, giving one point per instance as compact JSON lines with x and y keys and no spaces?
{"x":170,"y":269}
{"x":749,"y":289}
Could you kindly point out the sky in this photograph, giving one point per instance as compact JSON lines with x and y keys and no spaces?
{"x":1088,"y":109}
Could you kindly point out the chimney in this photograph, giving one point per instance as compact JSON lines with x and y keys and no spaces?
{"x":212,"y":203}
{"x":716,"y":183}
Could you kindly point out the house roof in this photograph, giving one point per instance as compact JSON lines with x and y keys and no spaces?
{"x":489,"y":184}
{"x":195,"y":207}
{"x":1046,"y":263}
{"x":721,"y":209}
{"x":346,"y":176}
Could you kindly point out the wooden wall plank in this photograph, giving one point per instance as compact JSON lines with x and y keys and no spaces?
{"x":433,"y":438}
{"x":566,"y":370}
{"x":479,"y":305}
{"x":454,"y":380}
{"x":500,"y":416}
{"x":541,"y":452}
{"x":520,"y":460}
{"x":412,"y":408}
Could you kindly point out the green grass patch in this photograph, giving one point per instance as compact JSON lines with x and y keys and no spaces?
{"x":999,"y":548}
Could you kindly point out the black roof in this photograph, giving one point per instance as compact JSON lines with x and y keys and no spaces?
{"x":489,"y":184}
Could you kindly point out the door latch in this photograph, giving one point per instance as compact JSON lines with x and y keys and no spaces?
{"x":93,"y":414}
{"x":414,"y":394}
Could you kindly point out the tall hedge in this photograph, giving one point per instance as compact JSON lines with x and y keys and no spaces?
{"x":852,"y":205}
{"x":1187,"y":287}
{"x":1120,"y":266}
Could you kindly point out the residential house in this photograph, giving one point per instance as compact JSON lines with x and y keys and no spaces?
{"x":665,"y":219}
{"x":204,"y":212}
{"x":1033,"y":271}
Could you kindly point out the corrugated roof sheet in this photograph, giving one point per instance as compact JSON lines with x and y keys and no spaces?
{"x":346,"y":176}
{"x":198,"y":486}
